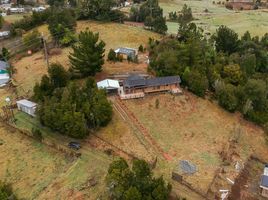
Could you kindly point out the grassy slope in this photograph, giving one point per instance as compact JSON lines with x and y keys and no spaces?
{"x":28,"y":165}
{"x":114,"y":35}
{"x":38,"y":172}
{"x":195,"y":129}
{"x":254,"y":21}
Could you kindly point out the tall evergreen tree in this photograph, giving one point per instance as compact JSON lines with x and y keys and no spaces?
{"x":60,"y":22}
{"x":87,"y":57}
{"x":226,"y":40}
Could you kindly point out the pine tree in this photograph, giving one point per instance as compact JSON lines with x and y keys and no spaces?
{"x":88,"y":55}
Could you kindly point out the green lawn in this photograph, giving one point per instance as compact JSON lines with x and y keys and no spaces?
{"x":254,"y":21}
{"x":13,"y":18}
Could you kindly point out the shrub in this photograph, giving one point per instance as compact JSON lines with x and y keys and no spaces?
{"x":141,"y":49}
{"x":112,"y":56}
{"x":37,"y":134}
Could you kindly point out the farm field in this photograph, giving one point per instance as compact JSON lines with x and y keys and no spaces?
{"x":114,"y":35}
{"x":194,"y":129}
{"x":255,"y":21}
{"x":76,"y":181}
{"x":37,"y":171}
{"x":13,"y":18}
{"x":29,"y":166}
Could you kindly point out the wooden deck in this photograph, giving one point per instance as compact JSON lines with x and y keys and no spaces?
{"x":132,"y":96}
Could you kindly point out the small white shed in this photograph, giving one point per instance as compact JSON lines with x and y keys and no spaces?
{"x":27,"y":106}
{"x":4,"y":78}
{"x":108,"y":84}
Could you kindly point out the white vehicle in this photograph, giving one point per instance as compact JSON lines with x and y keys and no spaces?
{"x":38,"y":9}
{"x":4,"y":34}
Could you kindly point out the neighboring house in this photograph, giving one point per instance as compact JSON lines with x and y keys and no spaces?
{"x":126,"y":52}
{"x":4,"y":34}
{"x":136,"y":86}
{"x":240,"y":4}
{"x":4,"y":75}
{"x":17,"y":10}
{"x":264,"y":182}
{"x":111,"y":86}
{"x":27,"y":106}
{"x":4,"y":1}
{"x":3,"y":14}
{"x":4,"y":78}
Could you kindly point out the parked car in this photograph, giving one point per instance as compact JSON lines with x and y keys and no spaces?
{"x":74,"y":145}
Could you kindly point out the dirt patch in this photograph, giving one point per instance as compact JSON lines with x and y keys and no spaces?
{"x":246,"y":185}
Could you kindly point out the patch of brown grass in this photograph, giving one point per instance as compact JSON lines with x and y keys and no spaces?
{"x":191,"y":128}
{"x":31,"y":68}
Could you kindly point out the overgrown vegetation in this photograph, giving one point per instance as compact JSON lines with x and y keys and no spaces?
{"x":135,"y":183}
{"x":32,"y":40}
{"x":99,"y":10}
{"x":61,"y":24}
{"x":70,"y":108}
{"x":6,"y":192}
{"x":66,"y":106}
{"x":29,"y":22}
{"x":151,"y":14}
{"x":1,"y":21}
{"x":236,"y":70}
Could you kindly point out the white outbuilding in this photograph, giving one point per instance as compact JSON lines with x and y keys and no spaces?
{"x":4,"y":78}
{"x":109,"y":85}
{"x":26,"y":106}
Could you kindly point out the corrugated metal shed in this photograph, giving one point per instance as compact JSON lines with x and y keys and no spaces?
{"x":4,"y":78}
{"x":108,"y":84}
{"x":126,"y":51}
{"x":26,"y":106}
{"x":27,"y":103}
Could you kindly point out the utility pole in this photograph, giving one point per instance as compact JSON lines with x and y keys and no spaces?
{"x":45,"y":49}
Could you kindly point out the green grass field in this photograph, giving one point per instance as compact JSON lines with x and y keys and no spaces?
{"x":255,"y":21}
{"x":13,"y":18}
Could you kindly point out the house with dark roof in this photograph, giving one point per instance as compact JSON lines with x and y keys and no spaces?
{"x":136,"y":86}
{"x":264,"y":182}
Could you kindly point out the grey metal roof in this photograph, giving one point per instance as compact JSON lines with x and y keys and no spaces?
{"x":127,"y":51}
{"x":264,"y":181}
{"x":3,"y":65}
{"x":27,"y":103}
{"x":137,"y":81}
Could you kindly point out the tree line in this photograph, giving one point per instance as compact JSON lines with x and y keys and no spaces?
{"x":135,"y":183}
{"x":234,"y":69}
{"x":62,"y":16}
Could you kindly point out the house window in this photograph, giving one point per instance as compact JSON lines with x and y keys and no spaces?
{"x":158,"y":87}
